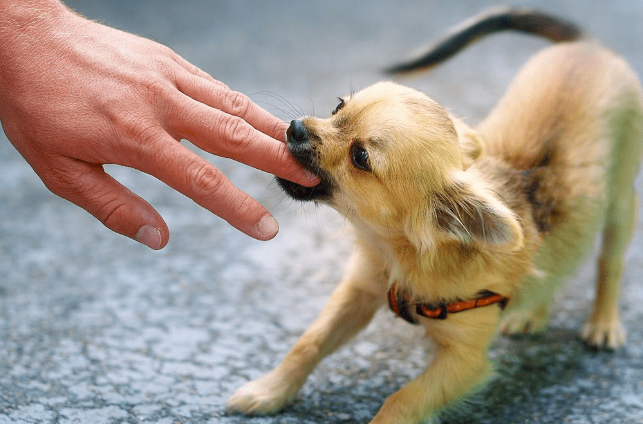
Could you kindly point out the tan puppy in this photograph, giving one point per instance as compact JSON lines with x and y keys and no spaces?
{"x":451,"y":219}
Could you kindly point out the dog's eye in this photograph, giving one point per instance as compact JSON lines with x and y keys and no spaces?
{"x":339,"y":106}
{"x":359,"y":155}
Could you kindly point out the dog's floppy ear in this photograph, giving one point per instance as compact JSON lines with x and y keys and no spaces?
{"x":469,"y":213}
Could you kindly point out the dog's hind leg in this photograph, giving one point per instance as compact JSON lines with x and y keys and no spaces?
{"x":603,"y":328}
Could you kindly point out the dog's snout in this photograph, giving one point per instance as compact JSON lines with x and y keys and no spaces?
{"x":297,"y":132}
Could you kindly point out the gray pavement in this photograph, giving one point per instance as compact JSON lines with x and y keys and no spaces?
{"x":95,"y":328}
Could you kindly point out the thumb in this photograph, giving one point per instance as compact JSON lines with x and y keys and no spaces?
{"x":118,"y":208}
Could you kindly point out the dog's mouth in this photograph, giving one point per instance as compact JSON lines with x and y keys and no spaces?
{"x":305,"y":153}
{"x":320,"y":192}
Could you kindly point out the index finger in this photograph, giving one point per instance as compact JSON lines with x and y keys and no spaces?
{"x":227,"y":123}
{"x":230,"y":136}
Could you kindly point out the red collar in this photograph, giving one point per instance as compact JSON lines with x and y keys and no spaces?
{"x":400,"y":302}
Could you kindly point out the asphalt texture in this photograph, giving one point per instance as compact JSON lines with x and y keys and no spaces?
{"x":95,"y":328}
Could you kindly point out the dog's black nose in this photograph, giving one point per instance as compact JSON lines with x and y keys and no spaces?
{"x":297,"y":132}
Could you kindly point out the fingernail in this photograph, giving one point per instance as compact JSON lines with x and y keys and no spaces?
{"x":267,"y":227}
{"x":149,"y":236}
{"x":310,"y":175}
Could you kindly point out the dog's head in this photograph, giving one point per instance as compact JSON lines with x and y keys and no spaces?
{"x":395,"y":162}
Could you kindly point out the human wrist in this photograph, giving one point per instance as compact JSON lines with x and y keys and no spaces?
{"x":24,"y":13}
{"x":28,"y":21}
{"x":27,"y":25}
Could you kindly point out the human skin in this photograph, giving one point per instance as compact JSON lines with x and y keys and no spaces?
{"x":76,"y":95}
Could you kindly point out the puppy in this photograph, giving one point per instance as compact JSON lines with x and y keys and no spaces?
{"x":467,"y":231}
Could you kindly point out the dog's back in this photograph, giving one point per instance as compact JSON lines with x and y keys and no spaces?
{"x":572,"y":121}
{"x":562,"y":96}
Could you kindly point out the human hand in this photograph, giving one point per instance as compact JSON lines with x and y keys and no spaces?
{"x":75,"y":95}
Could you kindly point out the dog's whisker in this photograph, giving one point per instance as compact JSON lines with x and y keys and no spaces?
{"x":291,"y":109}
{"x":285,"y":113}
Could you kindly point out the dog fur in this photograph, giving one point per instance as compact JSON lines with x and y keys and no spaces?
{"x":447,"y":211}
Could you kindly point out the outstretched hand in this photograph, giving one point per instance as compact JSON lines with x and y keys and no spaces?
{"x":75,"y":95}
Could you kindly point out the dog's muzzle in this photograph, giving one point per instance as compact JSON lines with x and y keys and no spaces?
{"x":303,"y":146}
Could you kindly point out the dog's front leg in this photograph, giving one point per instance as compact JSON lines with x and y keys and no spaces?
{"x":459,"y":366}
{"x":351,"y":306}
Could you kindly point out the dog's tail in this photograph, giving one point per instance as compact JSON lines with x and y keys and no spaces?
{"x":495,"y":20}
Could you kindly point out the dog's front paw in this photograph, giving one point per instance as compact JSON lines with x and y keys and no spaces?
{"x":263,"y":396}
{"x":604,"y":333}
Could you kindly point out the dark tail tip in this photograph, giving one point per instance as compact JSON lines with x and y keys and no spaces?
{"x":524,"y":20}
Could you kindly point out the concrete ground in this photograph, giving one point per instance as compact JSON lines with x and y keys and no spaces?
{"x":95,"y":328}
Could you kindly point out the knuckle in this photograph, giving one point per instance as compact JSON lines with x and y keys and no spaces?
{"x":204,"y":179}
{"x":59,"y":179}
{"x":139,"y":138}
{"x":244,"y":206}
{"x":237,"y":131}
{"x":146,"y":133}
{"x":114,"y":213}
{"x":165,"y":51}
{"x":157,"y":78}
{"x":154,"y":84}
{"x":237,"y":103}
{"x":163,"y":59}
